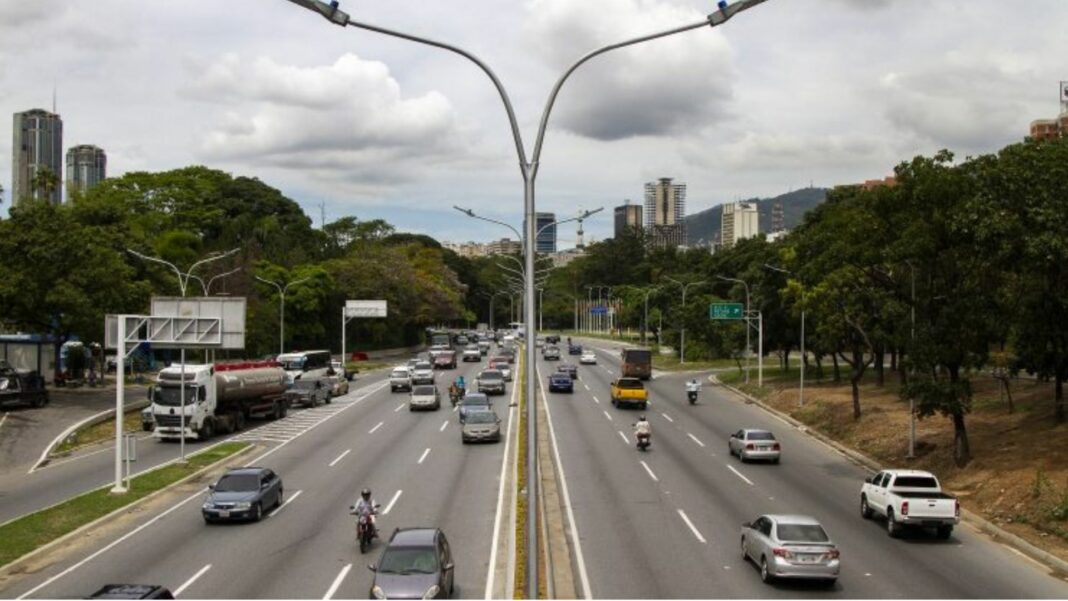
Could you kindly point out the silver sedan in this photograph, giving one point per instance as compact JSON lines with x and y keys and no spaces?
{"x":750,"y":444}
{"x":790,"y":546}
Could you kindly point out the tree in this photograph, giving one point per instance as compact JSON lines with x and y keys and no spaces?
{"x":43,"y":183}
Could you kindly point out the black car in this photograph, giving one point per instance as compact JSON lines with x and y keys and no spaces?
{"x":243,"y":494}
{"x":416,"y":564}
{"x":567,"y":368}
{"x":552,"y":339}
{"x":561,"y":382}
{"x":574,"y":349}
{"x":132,"y":591}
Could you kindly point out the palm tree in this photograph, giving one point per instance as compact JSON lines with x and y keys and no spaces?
{"x":44,"y":182}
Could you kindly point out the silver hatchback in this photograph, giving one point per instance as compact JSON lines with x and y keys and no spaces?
{"x":750,"y":444}
{"x":481,"y":425}
{"x":790,"y":546}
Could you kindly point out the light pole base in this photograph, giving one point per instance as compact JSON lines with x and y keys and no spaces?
{"x":119,"y":490}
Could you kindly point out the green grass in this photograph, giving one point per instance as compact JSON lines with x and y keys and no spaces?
{"x":671,"y":363}
{"x":35,"y":530}
{"x":99,"y":432}
{"x":364,"y":366}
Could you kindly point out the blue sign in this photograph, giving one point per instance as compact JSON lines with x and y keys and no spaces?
{"x":599,"y":310}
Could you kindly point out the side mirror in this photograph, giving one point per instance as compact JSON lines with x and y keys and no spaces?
{"x":352,"y":508}
{"x":372,"y":567}
{"x":377,"y":505}
{"x":448,"y":566}
{"x":747,"y":525}
{"x":211,"y":487}
{"x":868,"y":480}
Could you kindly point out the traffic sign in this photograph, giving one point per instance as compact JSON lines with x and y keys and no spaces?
{"x":725,"y":311}
{"x":599,"y":310}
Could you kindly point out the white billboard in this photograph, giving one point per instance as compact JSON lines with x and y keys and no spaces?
{"x":365,"y":308}
{"x":230,"y":310}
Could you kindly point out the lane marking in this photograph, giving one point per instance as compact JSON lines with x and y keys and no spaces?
{"x":372,"y":430}
{"x":739,"y":474}
{"x":392,"y":501}
{"x":608,"y":416}
{"x":337,"y":582}
{"x":595,"y":400}
{"x":695,"y":439}
{"x":586,"y":385}
{"x":339,"y":458}
{"x":455,"y":408}
{"x":668,"y":417}
{"x":2,"y":420}
{"x":443,"y":426}
{"x":623,"y":436}
{"x":693,"y":529}
{"x":292,"y":498}
{"x":423,"y":456}
{"x":399,"y":407}
{"x":651,"y":474}
{"x":178,"y":591}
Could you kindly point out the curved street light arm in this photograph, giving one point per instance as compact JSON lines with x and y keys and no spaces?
{"x":471,"y":213}
{"x":584,"y":215}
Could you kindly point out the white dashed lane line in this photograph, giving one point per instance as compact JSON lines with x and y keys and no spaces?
{"x":595,"y":400}
{"x":372,"y":430}
{"x":607,"y":415}
{"x":667,"y":417}
{"x":337,"y":582}
{"x":695,"y":439}
{"x":178,"y":591}
{"x":693,"y":529}
{"x":399,"y":407}
{"x":291,"y":498}
{"x":623,"y":436}
{"x":423,"y":456}
{"x":443,"y":426}
{"x":739,"y":474}
{"x":339,"y":458}
{"x":392,"y":502}
{"x":650,"y":472}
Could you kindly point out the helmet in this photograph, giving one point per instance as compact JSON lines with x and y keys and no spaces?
{"x":366,"y":494}
{"x":641,"y":418}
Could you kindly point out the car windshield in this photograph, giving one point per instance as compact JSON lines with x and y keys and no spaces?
{"x":562,"y":377}
{"x":802,"y":533}
{"x":408,"y":560}
{"x":400,"y":373}
{"x":238,"y":483}
{"x":476,"y":399}
{"x":171,"y":395}
{"x":293,"y":364}
{"x":423,"y":391}
{"x":629,"y":384}
{"x":760,"y":436}
{"x":482,"y":417}
{"x":491,"y":375}
{"x":422,"y":365}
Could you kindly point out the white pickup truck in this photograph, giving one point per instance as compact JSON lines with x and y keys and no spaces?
{"x":909,"y":498}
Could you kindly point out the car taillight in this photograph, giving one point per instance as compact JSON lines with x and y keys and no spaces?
{"x":833,"y":554}
{"x":750,"y":447}
{"x":784,"y":553}
{"x":956,"y":510}
{"x":775,"y":447}
{"x":904,"y":508}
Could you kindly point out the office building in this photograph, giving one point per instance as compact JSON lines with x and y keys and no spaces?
{"x":665,"y":213}
{"x":628,"y":216}
{"x":86,"y":167}
{"x":504,"y":246}
{"x":545,"y":227}
{"x":37,"y":148}
{"x":741,"y":220}
{"x":1051,"y":129}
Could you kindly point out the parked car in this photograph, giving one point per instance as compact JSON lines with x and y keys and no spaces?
{"x":309,"y":393}
{"x":424,"y":396}
{"x":790,"y":546}
{"x":749,"y":444}
{"x":588,"y":358}
{"x":551,"y":353}
{"x":400,"y":379}
{"x":471,"y":353}
{"x":569,"y":369}
{"x":574,"y":349}
{"x":629,"y":391}
{"x":481,"y":425}
{"x":416,"y":564}
{"x":423,"y":373}
{"x":491,"y":381}
{"x":245,"y":493}
{"x":561,"y":382}
{"x":909,"y":498}
{"x":473,"y":401}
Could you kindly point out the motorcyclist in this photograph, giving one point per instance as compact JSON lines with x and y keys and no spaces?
{"x":461,"y":385}
{"x":366,"y":506}
{"x":643,"y":428}
{"x":693,"y":386}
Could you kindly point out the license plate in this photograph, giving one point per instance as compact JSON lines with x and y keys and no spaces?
{"x":224,"y":514}
{"x":807,"y":558}
{"x":764,"y":447}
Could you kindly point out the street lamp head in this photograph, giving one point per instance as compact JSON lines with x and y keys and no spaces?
{"x":328,"y":10}
{"x":468,"y":212}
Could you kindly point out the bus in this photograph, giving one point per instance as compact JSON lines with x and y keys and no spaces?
{"x":305,"y":365}
{"x":637,"y":363}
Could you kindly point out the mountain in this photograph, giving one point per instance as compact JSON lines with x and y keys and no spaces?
{"x":705,"y":225}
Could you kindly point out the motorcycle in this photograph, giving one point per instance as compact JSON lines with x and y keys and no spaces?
{"x":454,"y":395}
{"x":365,"y":529}
{"x":643,"y":441}
{"x":692,"y":395}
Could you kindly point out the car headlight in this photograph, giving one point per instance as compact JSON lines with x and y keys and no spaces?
{"x":432,"y":592}
{"x":206,"y":505}
{"x":377,"y":592}
{"x":242,"y":505}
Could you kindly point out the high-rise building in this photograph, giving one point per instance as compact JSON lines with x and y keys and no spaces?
{"x":86,"y":167}
{"x":545,"y":225}
{"x":741,"y":220}
{"x":665,"y":213}
{"x":37,"y":148}
{"x":628,"y":216}
{"x":504,"y":246}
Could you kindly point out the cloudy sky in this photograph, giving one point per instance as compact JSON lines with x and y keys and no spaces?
{"x":791,"y":92}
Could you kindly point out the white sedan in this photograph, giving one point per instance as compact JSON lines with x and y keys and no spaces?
{"x":588,"y":358}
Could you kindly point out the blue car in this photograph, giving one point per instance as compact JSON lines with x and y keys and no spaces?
{"x":561,"y":382}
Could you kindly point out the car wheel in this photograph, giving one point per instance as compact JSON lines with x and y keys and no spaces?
{"x":257,"y":512}
{"x":944,"y":532}
{"x":830,"y":582}
{"x":208,"y":520}
{"x":278,"y":501}
{"x":765,"y":575}
{"x":745,"y":554}
{"x":892,"y":527}
{"x":742,"y":457}
{"x":776,"y":460}
{"x":865,"y":510}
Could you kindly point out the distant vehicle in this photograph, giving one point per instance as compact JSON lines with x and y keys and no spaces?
{"x":483,"y":347}
{"x":637,"y":363}
{"x":339,"y":368}
{"x":491,"y":381}
{"x":473,"y":401}
{"x":148,"y":423}
{"x":561,"y":382}
{"x":440,"y":339}
{"x":445,"y":359}
{"x":629,"y":391}
{"x":552,"y":338}
{"x":501,"y":364}
{"x":750,"y":444}
{"x":305,"y":364}
{"x":588,"y":358}
{"x":411,"y":363}
{"x":309,"y":393}
{"x":218,"y":398}
{"x":416,"y":564}
{"x":909,"y":498}
{"x":569,"y":369}
{"x":425,"y":396}
{"x":423,"y":373}
{"x":462,"y":340}
{"x":574,"y":349}
{"x":245,"y":493}
{"x":400,"y":379}
{"x":507,"y":353}
{"x":132,"y":591}
{"x":438,"y":349}
{"x":482,"y":425}
{"x":338,"y":385}
{"x":790,"y":546}
{"x":551,"y":353}
{"x":471,"y":353}
{"x":22,"y":387}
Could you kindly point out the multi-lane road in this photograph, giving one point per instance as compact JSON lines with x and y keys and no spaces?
{"x":660,"y":524}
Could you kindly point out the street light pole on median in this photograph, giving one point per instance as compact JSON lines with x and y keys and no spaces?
{"x":748,"y":325}
{"x":282,"y":308}
{"x":682,"y":335}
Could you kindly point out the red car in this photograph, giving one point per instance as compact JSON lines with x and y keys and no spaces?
{"x":445,"y":360}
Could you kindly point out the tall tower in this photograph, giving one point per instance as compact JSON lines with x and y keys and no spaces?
{"x":545,"y":242}
{"x":665,"y":212}
{"x":37,"y":149}
{"x":86,"y":167}
{"x":579,"y":243}
{"x":778,"y":217}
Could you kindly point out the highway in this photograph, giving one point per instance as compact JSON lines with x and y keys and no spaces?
{"x":666,"y":523}
{"x":414,"y":462}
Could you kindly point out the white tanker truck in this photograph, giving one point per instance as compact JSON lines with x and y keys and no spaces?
{"x":219,"y":398}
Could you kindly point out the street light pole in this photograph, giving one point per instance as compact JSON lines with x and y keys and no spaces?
{"x":282,"y":308}
{"x":528,"y":170}
{"x":682,"y":335}
{"x":748,"y":325}
{"x":801,"y":390}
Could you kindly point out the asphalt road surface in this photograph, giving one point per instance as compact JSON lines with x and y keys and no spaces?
{"x":414,"y":462}
{"x":666,"y":523}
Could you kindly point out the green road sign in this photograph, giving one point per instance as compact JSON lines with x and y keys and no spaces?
{"x":725,"y":311}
